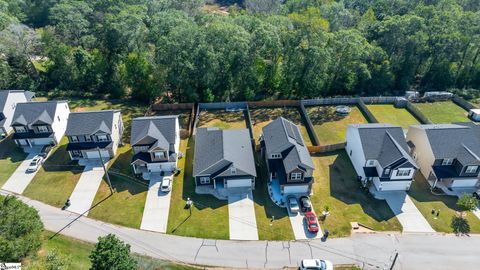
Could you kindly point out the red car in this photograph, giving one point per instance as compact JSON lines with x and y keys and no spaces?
{"x":312,"y":222}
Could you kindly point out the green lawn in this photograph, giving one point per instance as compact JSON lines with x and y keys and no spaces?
{"x":331,"y":128}
{"x":426,"y":201}
{"x":55,"y":181}
{"x":443,"y":112}
{"x":10,"y":158}
{"x":336,"y":186}
{"x":222,"y":119}
{"x":387,"y":113}
{"x":279,"y":228}
{"x":209,"y":216}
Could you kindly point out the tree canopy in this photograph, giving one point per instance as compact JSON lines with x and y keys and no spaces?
{"x":111,"y":254}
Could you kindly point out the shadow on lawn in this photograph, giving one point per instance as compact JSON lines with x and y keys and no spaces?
{"x":9,"y":150}
{"x":420,"y":191}
{"x":222,"y":115}
{"x":345,"y":187}
{"x":323,"y":114}
{"x":60,"y":160}
{"x":269,"y":114}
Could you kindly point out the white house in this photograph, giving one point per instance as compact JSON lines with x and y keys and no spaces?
{"x":8,"y":102}
{"x":380,"y":156}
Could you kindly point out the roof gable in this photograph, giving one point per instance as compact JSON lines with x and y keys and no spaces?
{"x":29,"y":113}
{"x":91,"y":122}
{"x":160,"y":130}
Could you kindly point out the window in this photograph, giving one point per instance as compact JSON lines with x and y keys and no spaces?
{"x":370,"y":163}
{"x":159,"y":154}
{"x":276,"y":156}
{"x":76,"y":153}
{"x":387,"y":171}
{"x":447,"y":161}
{"x":43,"y":129}
{"x":102,"y":138}
{"x":296,"y":176}
{"x":471,"y":169}
{"x":350,"y":152}
{"x":233,"y":170}
{"x":58,"y":117}
{"x":204,"y":180}
{"x":88,"y":138}
{"x":403,"y":172}
{"x":20,"y":129}
{"x":74,"y":138}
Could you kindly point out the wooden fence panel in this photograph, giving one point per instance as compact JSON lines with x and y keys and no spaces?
{"x":463,"y":103}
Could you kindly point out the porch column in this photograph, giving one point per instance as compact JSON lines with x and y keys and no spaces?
{"x":214,"y":184}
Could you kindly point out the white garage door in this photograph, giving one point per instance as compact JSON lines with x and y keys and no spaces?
{"x":295,"y":189}
{"x":239,"y":183}
{"x":23,"y":142}
{"x":95,"y":154}
{"x":465,"y":183}
{"x":42,"y":141}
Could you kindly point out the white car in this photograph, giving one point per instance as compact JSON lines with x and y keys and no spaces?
{"x":316,"y":264}
{"x":166,"y":184}
{"x":35,"y":164}
{"x":293,"y":205}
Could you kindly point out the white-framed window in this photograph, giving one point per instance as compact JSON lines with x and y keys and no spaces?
{"x":76,"y":153}
{"x":447,"y":161}
{"x":88,"y":138}
{"x":471,"y":169}
{"x":102,"y":138}
{"x":204,"y":180}
{"x":276,"y":156}
{"x":43,"y":129}
{"x":233,"y":170}
{"x":74,"y":138}
{"x":403,"y":172}
{"x":296,"y":176}
{"x":370,"y":163}
{"x":20,"y":129}
{"x":387,"y":171}
{"x":159,"y":154}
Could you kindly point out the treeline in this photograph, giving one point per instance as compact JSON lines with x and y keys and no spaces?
{"x":263,"y":49}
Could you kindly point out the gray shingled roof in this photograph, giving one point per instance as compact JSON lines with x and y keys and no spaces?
{"x":157,"y":131}
{"x":87,"y":123}
{"x":383,"y":142}
{"x":217,"y":150}
{"x":283,"y":136}
{"x":4,"y":94}
{"x":454,"y":141}
{"x":35,"y":112}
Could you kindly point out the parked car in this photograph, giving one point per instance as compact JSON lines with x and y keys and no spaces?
{"x":293,"y":205}
{"x":35,"y":164}
{"x":45,"y":150}
{"x":312,"y":222}
{"x":305,"y":204}
{"x":316,"y":264}
{"x":166,"y":184}
{"x":476,"y":194}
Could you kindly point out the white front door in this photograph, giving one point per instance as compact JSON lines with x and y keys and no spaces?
{"x":244,"y":182}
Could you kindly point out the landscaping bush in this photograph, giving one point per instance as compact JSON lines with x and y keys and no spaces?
{"x":111,"y":253}
{"x":467,"y":202}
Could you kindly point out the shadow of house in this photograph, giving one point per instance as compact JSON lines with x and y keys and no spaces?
{"x":9,"y":150}
{"x":323,"y":114}
{"x":60,"y":160}
{"x":122,"y":183}
{"x":345,"y":187}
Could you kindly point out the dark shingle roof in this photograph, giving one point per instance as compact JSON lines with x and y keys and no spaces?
{"x":217,"y":150}
{"x":156,"y":131}
{"x":87,"y":123}
{"x":35,"y":112}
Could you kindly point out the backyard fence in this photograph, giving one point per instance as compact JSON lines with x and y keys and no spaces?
{"x":463,"y":103}
{"x":172,"y":107}
{"x":273,"y":103}
{"x":318,"y":149}
{"x":417,"y":113}
{"x":330,"y":101}
{"x":379,"y":100}
{"x":366,"y":112}
{"x":308,"y":125}
{"x":223,"y":105}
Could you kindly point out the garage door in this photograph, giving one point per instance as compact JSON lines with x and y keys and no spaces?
{"x":42,"y":141}
{"x":465,"y":183}
{"x":295,"y":189}
{"x":23,"y":142}
{"x":94,"y":154}
{"x":239,"y":183}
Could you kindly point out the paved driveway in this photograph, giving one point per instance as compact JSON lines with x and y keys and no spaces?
{"x":84,"y":193}
{"x":299,"y":227}
{"x":407,"y":213}
{"x":241,"y":214}
{"x":20,"y":179}
{"x":157,"y":206}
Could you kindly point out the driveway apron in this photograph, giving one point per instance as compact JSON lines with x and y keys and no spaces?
{"x":157,"y":206}
{"x":20,"y":179}
{"x":300,"y":228}
{"x":241,"y":213}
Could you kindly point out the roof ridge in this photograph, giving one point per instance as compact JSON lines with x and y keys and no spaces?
{"x":99,"y":111}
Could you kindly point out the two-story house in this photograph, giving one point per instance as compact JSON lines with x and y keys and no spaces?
{"x":447,"y":153}
{"x":8,"y":102}
{"x":155,"y":142}
{"x":94,"y":134}
{"x":224,"y":159}
{"x":287,"y":157}
{"x":380,"y":156}
{"x":40,"y":123}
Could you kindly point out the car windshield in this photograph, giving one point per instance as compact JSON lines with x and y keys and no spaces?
{"x":33,"y":163}
{"x":311,"y":218}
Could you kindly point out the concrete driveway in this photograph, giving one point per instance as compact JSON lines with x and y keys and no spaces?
{"x":84,"y":193}
{"x":407,"y":213}
{"x":241,"y":213}
{"x":20,"y":179}
{"x":300,"y":228}
{"x":157,"y":206}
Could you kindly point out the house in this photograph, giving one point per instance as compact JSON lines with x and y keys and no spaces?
{"x":156,"y":143}
{"x":380,"y":155}
{"x":94,"y":133}
{"x":447,"y":153}
{"x":474,"y":114}
{"x":40,"y":123}
{"x":224,"y":159}
{"x":288,"y":161}
{"x":8,"y":102}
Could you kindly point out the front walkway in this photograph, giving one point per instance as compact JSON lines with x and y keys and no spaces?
{"x":84,"y":193}
{"x":157,"y":206}
{"x":407,"y":213}
{"x":20,"y":179}
{"x":241,"y":212}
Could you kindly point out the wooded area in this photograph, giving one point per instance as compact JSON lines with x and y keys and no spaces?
{"x":260,"y":49}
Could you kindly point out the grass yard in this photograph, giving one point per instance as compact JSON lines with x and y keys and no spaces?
{"x":222,"y":119}
{"x":387,"y":113}
{"x":268,"y":229}
{"x":443,"y":112}
{"x":263,"y":116}
{"x":10,"y":158}
{"x":208,"y":217}
{"x":426,"y":201}
{"x":56,"y":179}
{"x":331,"y":128}
{"x":336,"y":186}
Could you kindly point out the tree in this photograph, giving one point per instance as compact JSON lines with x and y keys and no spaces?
{"x":467,"y":202}
{"x":21,"y":230}
{"x":70,"y":19}
{"x":263,"y":6}
{"x":110,"y":253}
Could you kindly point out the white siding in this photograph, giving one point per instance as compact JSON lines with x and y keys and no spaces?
{"x":407,"y":177}
{"x":13,"y":99}
{"x":116,"y":132}
{"x":354,"y":146}
{"x":422,"y":152}
{"x":391,"y":185}
{"x":59,"y":125}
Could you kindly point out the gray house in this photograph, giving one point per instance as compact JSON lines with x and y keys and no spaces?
{"x":8,"y":102}
{"x":224,"y":159}
{"x":94,"y":133}
{"x":448,"y":154}
{"x":156,"y":144}
{"x":287,"y":157}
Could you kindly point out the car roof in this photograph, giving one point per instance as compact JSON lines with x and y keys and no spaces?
{"x":311,"y":263}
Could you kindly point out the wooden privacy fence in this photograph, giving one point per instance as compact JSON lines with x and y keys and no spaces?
{"x":417,"y":113}
{"x":318,"y":149}
{"x":463,"y":103}
{"x":273,"y":103}
{"x":172,"y":107}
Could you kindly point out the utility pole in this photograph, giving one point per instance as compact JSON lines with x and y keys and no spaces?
{"x":105,"y":170}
